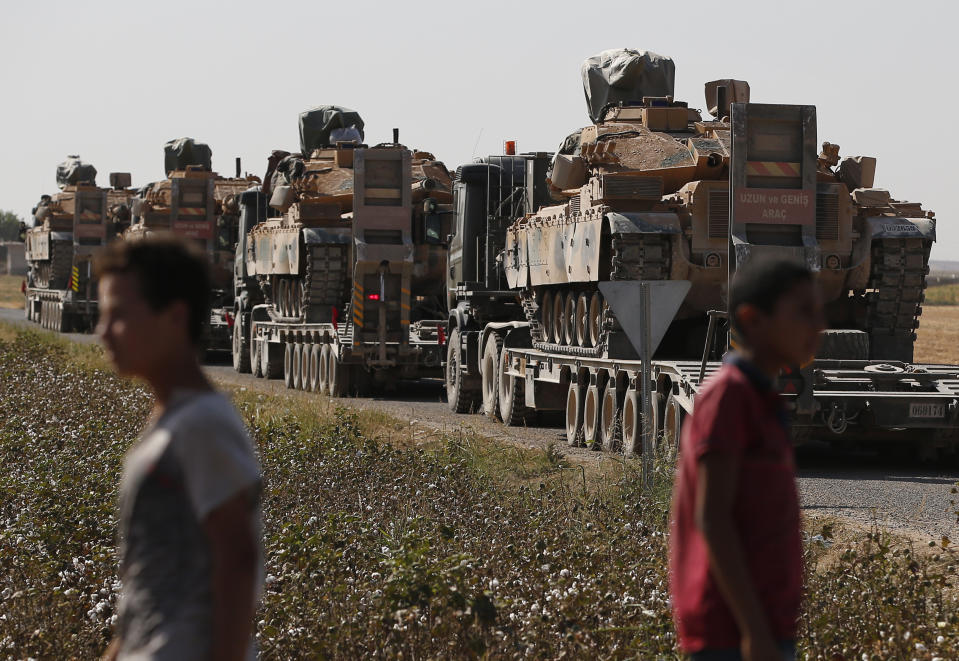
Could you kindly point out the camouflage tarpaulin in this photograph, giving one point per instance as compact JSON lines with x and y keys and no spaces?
{"x":73,"y":171}
{"x":625,"y":75}
{"x":179,"y":153}
{"x":317,"y":124}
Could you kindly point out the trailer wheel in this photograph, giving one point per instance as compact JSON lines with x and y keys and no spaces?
{"x":288,"y":364}
{"x":632,"y":422}
{"x":611,"y":428}
{"x":272,"y":359}
{"x":241,"y":350}
{"x":512,"y":404}
{"x":313,"y":361}
{"x":299,"y":383}
{"x":592,"y":409}
{"x":256,"y":361}
{"x":574,"y":414}
{"x":339,"y":377}
{"x":673,"y":421}
{"x":459,"y":395}
{"x":325,"y":369}
{"x":494,"y":344}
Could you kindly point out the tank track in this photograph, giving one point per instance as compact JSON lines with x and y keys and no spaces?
{"x":898,"y":281}
{"x":633,"y":257}
{"x":324,"y":281}
{"x":54,"y":273}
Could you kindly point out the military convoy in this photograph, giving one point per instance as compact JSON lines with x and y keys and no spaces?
{"x":591,"y":281}
{"x":66,"y":231}
{"x":341,"y":288}
{"x":641,"y":202}
{"x":197,"y":203}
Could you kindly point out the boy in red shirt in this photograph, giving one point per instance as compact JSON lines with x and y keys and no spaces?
{"x":735,"y":544}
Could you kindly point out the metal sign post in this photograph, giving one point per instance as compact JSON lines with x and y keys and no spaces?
{"x":645,"y":355}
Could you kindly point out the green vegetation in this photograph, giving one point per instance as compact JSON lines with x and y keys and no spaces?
{"x":9,"y":226}
{"x":942,"y":295}
{"x":381,"y":548}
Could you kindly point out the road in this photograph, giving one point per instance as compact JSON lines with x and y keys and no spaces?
{"x":865,"y":487}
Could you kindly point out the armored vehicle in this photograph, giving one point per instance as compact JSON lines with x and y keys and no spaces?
{"x":643,"y":193}
{"x":197,"y":203}
{"x":66,"y":231}
{"x":341,"y":287}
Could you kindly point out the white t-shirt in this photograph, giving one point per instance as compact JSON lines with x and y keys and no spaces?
{"x":193,"y":459}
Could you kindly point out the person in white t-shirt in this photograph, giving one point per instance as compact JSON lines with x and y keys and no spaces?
{"x":190,"y":553}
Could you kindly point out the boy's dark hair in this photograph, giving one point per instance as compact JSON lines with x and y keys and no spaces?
{"x":762,"y":281}
{"x":168,"y":269}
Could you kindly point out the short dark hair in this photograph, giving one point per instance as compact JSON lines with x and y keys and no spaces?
{"x":762,"y":281}
{"x":168,"y":269}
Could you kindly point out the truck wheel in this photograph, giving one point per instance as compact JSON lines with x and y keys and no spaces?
{"x":494,"y":344}
{"x":288,"y":364}
{"x":574,"y":414}
{"x":297,"y":366}
{"x":325,"y":369}
{"x":256,"y":361}
{"x":512,"y":403}
{"x":843,"y":345}
{"x":592,"y":409}
{"x":241,"y":349}
{"x":673,"y":421}
{"x":632,"y":422}
{"x":460,"y":395}
{"x":610,"y":420}
{"x":339,"y":377}
{"x":314,"y":367}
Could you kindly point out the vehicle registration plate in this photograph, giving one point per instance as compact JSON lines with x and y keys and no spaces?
{"x":927,"y":410}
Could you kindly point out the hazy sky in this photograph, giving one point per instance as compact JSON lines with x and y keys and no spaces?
{"x":113,"y":81}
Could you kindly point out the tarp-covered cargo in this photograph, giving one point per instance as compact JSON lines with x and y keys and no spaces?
{"x":183,"y":152}
{"x":624,"y":74}
{"x":324,"y":126}
{"x":74,"y":171}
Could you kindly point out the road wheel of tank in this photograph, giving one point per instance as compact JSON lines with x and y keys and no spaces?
{"x":459,"y":395}
{"x":559,"y":312}
{"x":632,"y":422}
{"x":595,"y":318}
{"x":581,"y":320}
{"x":574,"y":414}
{"x":298,"y":366}
{"x":673,"y":418}
{"x":610,"y":420}
{"x":494,"y":344}
{"x":325,"y":369}
{"x":592,"y":410}
{"x":569,"y":319}
{"x":339,"y":377}
{"x":288,"y":364}
{"x":512,"y":402}
{"x":546,"y":315}
{"x":843,"y":345}
{"x":241,"y":349}
{"x":256,"y":361}
{"x":314,"y":367}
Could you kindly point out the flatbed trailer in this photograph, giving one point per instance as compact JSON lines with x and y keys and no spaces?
{"x":845,"y":401}
{"x":61,"y":310}
{"x":327,"y":358}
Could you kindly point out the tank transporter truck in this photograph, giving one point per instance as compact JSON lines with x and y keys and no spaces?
{"x":339,"y":284}
{"x":66,"y":231}
{"x":198,"y":204}
{"x":640,"y":250}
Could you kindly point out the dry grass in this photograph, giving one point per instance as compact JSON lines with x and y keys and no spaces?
{"x":938,"y":340}
{"x":10,"y":296}
{"x":943,"y":295}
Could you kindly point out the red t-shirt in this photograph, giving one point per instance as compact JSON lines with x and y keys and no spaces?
{"x":738,"y":412}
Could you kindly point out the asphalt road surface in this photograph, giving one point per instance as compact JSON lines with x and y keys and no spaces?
{"x":864,"y":486}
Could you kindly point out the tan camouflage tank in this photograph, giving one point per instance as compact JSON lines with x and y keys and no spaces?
{"x":642,"y":194}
